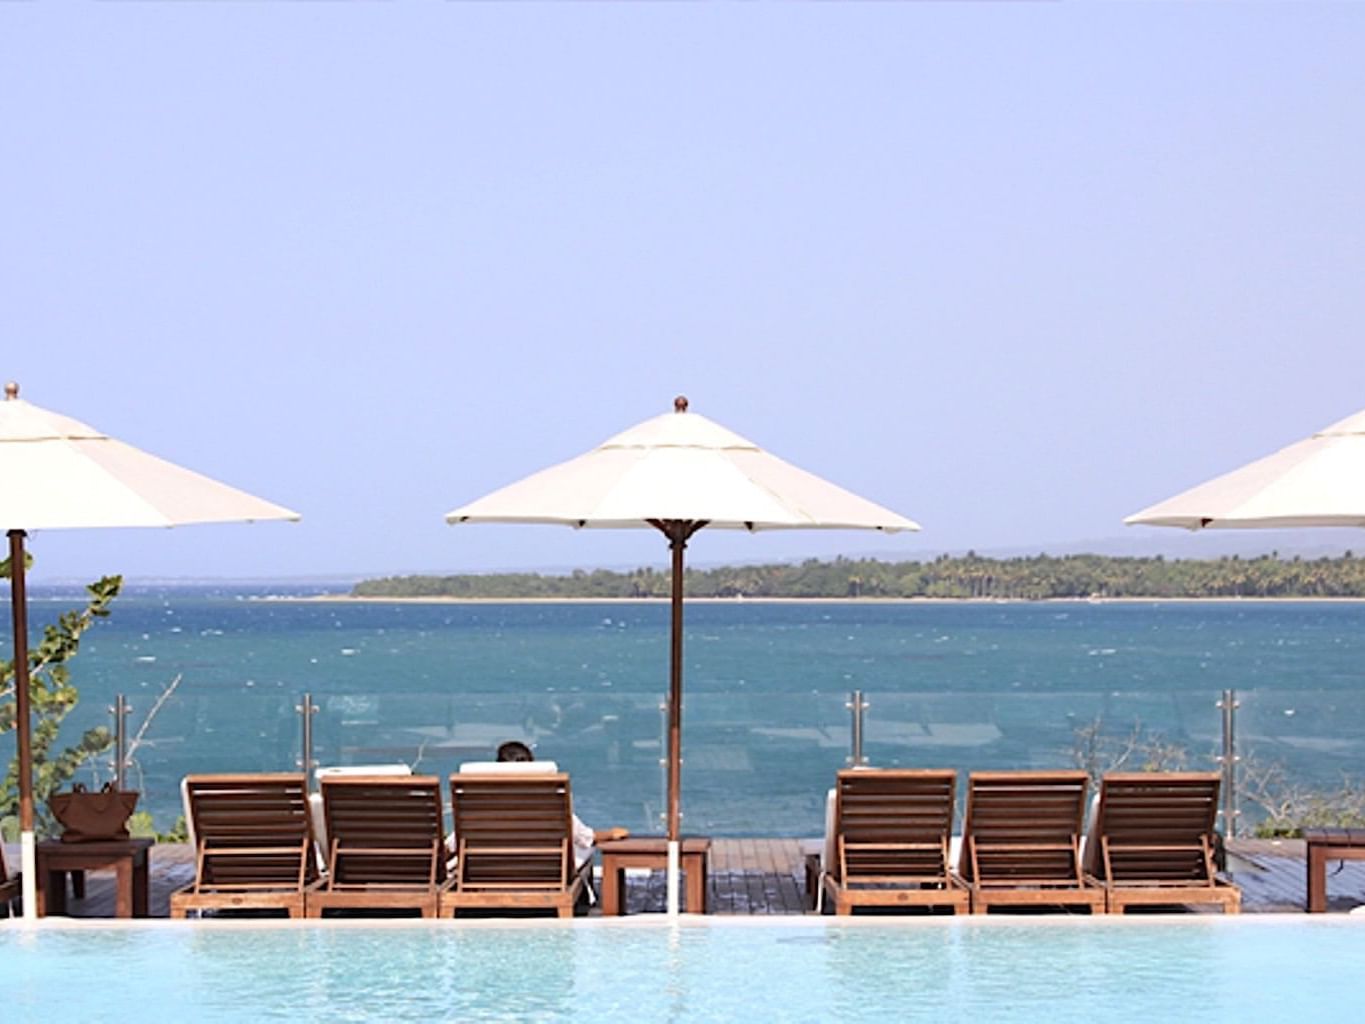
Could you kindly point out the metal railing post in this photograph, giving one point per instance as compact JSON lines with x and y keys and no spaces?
{"x":306,"y":710}
{"x":856,"y":706}
{"x":120,"y":712}
{"x":1228,"y":761}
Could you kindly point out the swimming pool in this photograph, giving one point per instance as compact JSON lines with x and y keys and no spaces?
{"x":1009,"y":970}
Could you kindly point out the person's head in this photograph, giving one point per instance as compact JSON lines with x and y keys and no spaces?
{"x":515,"y":750}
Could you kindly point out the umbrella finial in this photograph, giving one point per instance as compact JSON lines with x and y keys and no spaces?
{"x":11,"y":391}
{"x":680,"y":404}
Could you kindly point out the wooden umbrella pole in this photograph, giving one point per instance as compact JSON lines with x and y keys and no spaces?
{"x":678,"y":542}
{"x":24,"y":730}
{"x":24,"y":735}
{"x":678,"y":532}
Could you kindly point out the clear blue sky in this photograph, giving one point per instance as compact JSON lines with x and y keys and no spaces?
{"x":1012,"y":270}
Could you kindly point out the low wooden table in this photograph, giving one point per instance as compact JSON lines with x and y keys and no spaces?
{"x":126,"y":857}
{"x":619,"y":854}
{"x":1324,"y":844}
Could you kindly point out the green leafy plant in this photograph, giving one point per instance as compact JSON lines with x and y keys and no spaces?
{"x":52,"y":696}
{"x":141,"y":826}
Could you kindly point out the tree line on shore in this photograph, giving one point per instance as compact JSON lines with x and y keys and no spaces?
{"x":1032,"y":578}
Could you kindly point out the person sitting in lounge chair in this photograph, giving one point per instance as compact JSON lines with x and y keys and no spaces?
{"x":584,"y":838}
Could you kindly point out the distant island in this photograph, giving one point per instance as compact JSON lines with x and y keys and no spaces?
{"x":970,"y":576}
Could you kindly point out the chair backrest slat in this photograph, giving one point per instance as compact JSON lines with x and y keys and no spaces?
{"x":524,"y":822}
{"x":892,"y":822}
{"x":263,"y":812}
{"x":1023,"y":825}
{"x":400,"y":815}
{"x":1157,"y":826}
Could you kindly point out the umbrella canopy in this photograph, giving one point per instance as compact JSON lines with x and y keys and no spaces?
{"x":680,"y":466}
{"x":678,"y":473}
{"x":59,"y":473}
{"x":1319,"y":481}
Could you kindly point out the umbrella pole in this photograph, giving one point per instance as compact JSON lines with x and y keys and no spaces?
{"x":677,"y":542}
{"x":23,"y":731}
{"x":678,"y":532}
{"x":677,"y":539}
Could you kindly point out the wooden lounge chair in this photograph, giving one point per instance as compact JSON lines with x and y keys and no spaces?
{"x":1021,"y":841}
{"x":514,"y":844}
{"x":1153,"y":841}
{"x":386,"y":844}
{"x":891,"y":831}
{"x":253,"y":844}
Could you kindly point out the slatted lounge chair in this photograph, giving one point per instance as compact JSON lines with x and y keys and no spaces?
{"x":386,"y":844}
{"x":253,"y":844}
{"x":1153,"y":841}
{"x":10,"y":887}
{"x":1021,"y":841}
{"x":514,"y":843}
{"x":891,"y":831}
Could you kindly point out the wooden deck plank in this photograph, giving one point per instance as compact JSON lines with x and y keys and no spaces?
{"x":765,"y":876}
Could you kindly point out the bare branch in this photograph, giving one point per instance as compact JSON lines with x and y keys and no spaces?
{"x":421,"y":753}
{"x":151,"y":715}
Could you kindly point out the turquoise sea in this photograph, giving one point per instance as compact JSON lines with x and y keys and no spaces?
{"x":969,"y":686}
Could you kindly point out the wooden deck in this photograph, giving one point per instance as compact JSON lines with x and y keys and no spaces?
{"x":767,"y":876}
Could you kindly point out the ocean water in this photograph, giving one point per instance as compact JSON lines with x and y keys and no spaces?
{"x":969,"y":686}
{"x":1016,"y":971}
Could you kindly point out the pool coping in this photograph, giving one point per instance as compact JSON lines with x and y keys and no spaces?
{"x":657,"y":922}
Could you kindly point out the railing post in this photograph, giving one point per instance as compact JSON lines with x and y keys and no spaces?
{"x":856,"y":706}
{"x":306,"y":710}
{"x":120,"y":712}
{"x":1228,"y":761}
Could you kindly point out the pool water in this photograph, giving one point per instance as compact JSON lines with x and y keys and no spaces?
{"x":1008,"y":970}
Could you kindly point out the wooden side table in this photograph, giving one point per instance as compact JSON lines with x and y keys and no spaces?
{"x":1324,"y":844}
{"x":126,"y":857}
{"x":619,"y":854}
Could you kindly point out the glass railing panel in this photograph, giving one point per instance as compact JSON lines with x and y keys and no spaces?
{"x":761,"y":763}
{"x":1301,"y":756}
{"x":609,"y":744}
{"x":758,"y":764}
{"x":190,"y":732}
{"x":986,"y":731}
{"x":755,"y":763}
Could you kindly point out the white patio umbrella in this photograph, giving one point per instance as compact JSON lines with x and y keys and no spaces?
{"x":58,"y":473}
{"x":1319,"y":481}
{"x":678,"y":473}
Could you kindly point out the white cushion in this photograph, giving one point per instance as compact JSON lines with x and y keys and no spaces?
{"x":362,"y":769}
{"x":508,"y":768}
{"x":829,"y":851}
{"x":189,"y":818}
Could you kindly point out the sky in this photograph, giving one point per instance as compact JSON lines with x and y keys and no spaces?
{"x":1013,"y":270}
